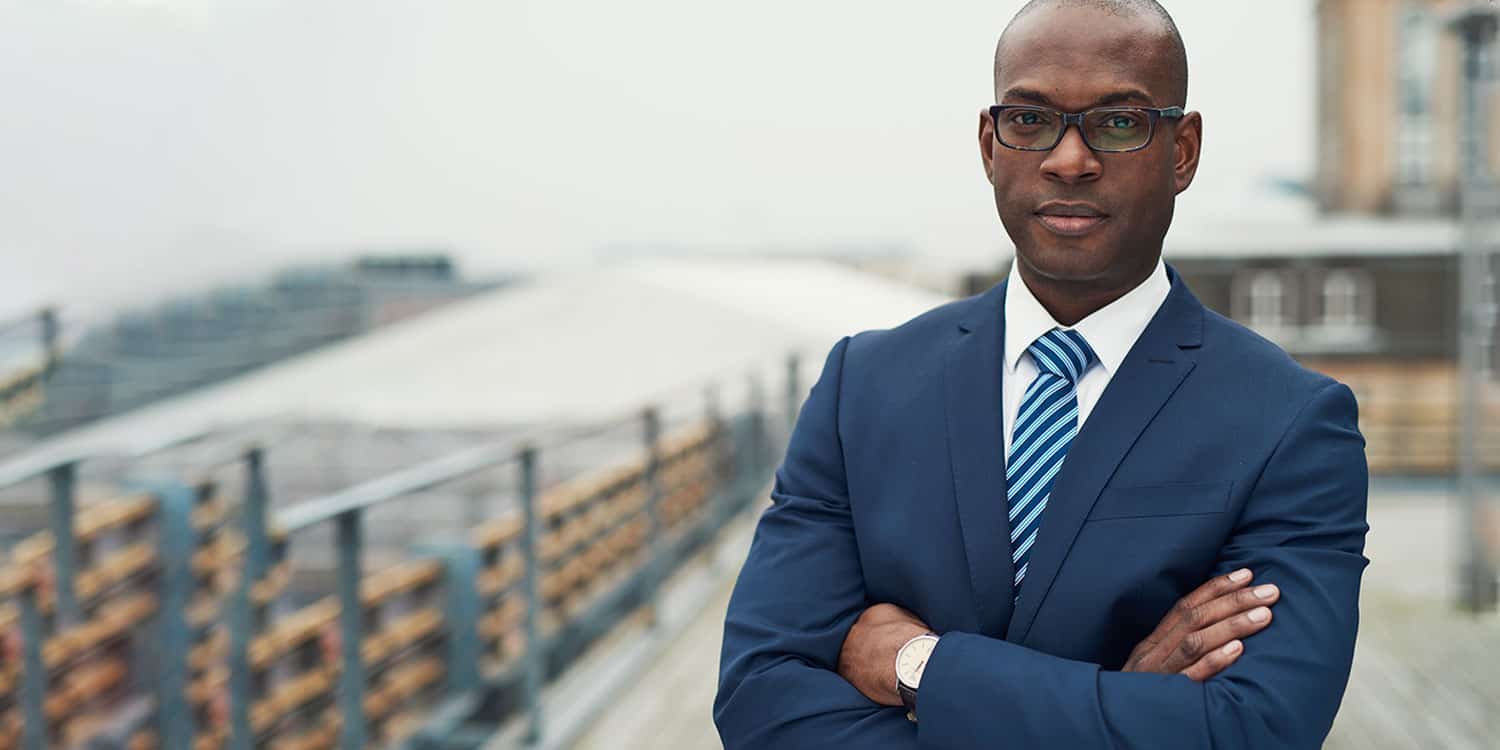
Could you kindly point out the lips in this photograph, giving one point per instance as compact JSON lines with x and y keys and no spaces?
{"x":1070,"y":219}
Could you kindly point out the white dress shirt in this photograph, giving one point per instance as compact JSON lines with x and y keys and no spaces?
{"x":1110,"y":331}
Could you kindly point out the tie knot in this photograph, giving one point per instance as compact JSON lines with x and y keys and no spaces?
{"x":1062,"y":353}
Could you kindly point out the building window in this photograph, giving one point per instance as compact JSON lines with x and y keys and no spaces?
{"x":1268,"y":304}
{"x":1416,"y":53}
{"x":1348,"y":300}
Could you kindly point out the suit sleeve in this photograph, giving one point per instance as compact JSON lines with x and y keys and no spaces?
{"x":799,"y":592}
{"x":1303,"y":528}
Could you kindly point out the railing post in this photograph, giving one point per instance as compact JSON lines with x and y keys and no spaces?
{"x":351,"y":631}
{"x":34,"y":675}
{"x":535,"y":657}
{"x":461,"y":612}
{"x":723,"y":475}
{"x":241,"y":692}
{"x":257,"y":501}
{"x":656,"y":527}
{"x":757,"y":424}
{"x":63,"y":478}
{"x":719,"y":479}
{"x":241,"y":621}
{"x":175,"y":551}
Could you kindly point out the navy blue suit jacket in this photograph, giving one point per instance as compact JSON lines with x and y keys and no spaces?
{"x":1209,"y":450}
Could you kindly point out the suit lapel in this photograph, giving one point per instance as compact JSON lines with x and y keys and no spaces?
{"x":977,"y":448}
{"x":1161,"y":358}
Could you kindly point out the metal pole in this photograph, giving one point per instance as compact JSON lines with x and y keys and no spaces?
{"x":720,"y":477}
{"x":175,"y":503}
{"x":1476,"y":27}
{"x":351,"y":632}
{"x":34,"y":672}
{"x":757,"y":448}
{"x":713,"y":411}
{"x":461,"y":615}
{"x":656,"y":528}
{"x":257,"y":498}
{"x":241,"y":620}
{"x":64,"y":544}
{"x":535,"y":657}
{"x":241,"y":735}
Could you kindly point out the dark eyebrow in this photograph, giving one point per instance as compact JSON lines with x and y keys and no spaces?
{"x":1123,"y":96}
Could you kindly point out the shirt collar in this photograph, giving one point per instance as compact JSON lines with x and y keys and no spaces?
{"x":1110,"y":331}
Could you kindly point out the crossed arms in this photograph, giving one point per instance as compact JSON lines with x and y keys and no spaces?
{"x":1302,"y":530}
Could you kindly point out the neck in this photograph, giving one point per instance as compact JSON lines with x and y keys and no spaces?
{"x":1069,"y":301}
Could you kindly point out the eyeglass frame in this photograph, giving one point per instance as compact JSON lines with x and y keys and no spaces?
{"x":1076,"y":118}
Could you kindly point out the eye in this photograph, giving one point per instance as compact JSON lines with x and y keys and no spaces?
{"x":1028,"y":117}
{"x":1121,"y":121}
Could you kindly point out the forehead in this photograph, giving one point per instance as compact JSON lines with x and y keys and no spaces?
{"x":1074,"y":55}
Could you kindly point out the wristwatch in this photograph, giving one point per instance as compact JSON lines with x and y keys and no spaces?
{"x":911,"y":661}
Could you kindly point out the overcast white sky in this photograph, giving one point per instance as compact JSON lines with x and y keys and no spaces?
{"x":152,"y":145}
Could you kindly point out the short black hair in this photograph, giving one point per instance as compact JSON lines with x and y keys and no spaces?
{"x":1177,"y":54}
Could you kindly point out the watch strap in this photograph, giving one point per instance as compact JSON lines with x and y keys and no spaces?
{"x":908,"y":699}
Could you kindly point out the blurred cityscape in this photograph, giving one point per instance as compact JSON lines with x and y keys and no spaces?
{"x":389,"y":501}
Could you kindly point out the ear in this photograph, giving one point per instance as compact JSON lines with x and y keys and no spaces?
{"x":1188,"y":145}
{"x":987,"y":144}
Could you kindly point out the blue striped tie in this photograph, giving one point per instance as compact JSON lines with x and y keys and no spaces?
{"x":1045,"y":426}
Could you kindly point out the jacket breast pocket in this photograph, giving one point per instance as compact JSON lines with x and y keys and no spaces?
{"x":1162,"y":500}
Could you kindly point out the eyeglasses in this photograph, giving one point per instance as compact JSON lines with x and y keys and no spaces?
{"x":1108,"y":129}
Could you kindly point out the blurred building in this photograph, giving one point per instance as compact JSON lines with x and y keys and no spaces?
{"x":1389,"y":78}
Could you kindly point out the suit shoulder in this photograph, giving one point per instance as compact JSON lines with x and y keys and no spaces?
{"x":919,"y":335}
{"x":1235,"y":352}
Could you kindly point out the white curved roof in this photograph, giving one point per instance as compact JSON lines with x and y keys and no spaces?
{"x":573,"y":347}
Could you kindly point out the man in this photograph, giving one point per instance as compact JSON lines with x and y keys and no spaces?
{"x":1031,"y":519}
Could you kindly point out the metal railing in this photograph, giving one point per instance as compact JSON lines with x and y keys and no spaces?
{"x":433,"y":652}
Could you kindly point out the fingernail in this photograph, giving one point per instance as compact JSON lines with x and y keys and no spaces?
{"x":1260,"y":614}
{"x":1231,"y":648}
{"x":1240,"y":576}
{"x":1265,"y":592}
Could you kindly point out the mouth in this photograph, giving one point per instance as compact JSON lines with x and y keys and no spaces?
{"x":1070,"y":219}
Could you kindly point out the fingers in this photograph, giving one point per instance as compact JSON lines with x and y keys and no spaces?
{"x":1200,"y":623}
{"x":1185,"y":613}
{"x":1215,"y":661}
{"x":1235,"y":602}
{"x":1226,"y":628}
{"x":1217,"y":587}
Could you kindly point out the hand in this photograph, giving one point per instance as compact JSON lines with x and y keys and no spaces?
{"x":868,"y":657}
{"x":1200,"y":636}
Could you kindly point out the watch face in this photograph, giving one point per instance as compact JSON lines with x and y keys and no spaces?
{"x":912,"y":660}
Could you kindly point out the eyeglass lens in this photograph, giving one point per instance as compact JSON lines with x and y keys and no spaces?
{"x":1103,"y":129}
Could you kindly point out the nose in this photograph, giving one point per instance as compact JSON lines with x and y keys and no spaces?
{"x":1072,"y":161}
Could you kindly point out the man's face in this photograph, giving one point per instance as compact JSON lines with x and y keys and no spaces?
{"x":1075,"y":215}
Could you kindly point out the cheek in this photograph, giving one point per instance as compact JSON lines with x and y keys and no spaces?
{"x":1163,"y":177}
{"x":1008,"y":186}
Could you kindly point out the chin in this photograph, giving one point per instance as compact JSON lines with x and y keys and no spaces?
{"x":1071,"y":263}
